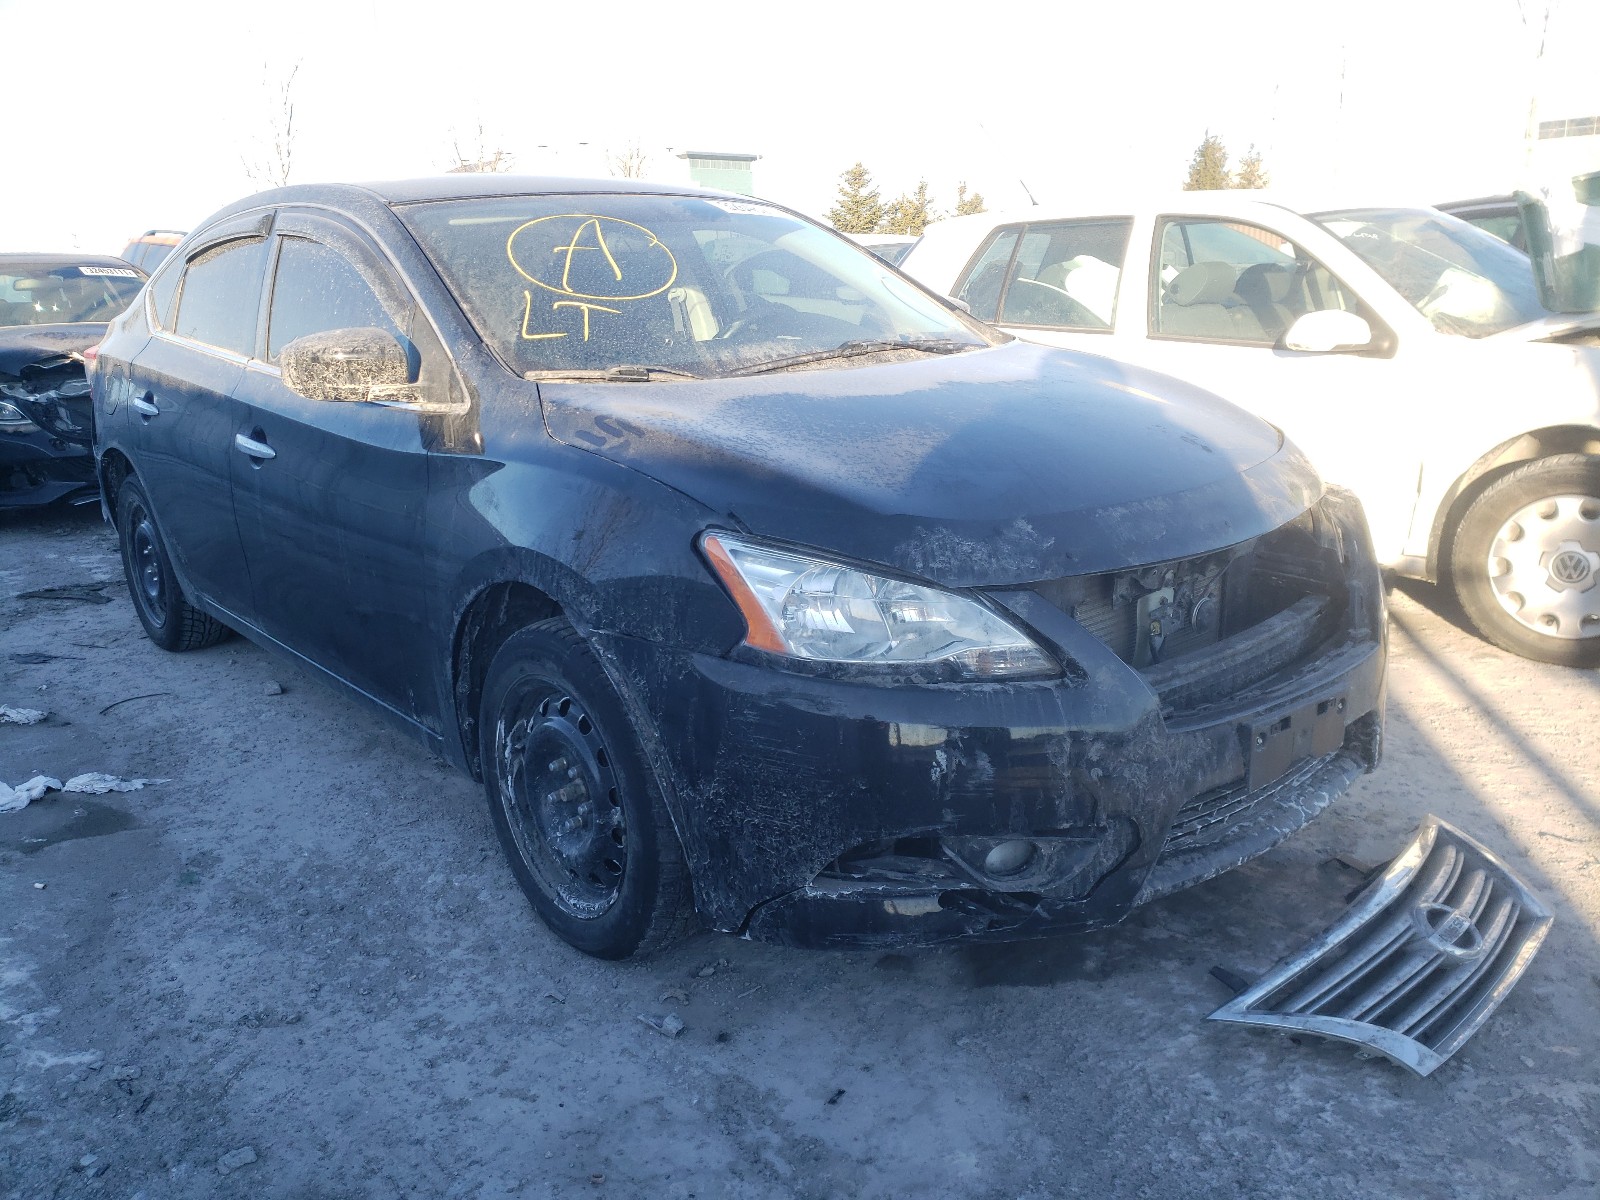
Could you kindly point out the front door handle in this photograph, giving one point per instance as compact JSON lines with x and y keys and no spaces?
{"x":259,"y":451}
{"x":145,"y":406}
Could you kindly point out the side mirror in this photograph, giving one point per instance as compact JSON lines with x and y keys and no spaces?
{"x":347,"y":365}
{"x":1327,"y":332}
{"x":961,"y":304}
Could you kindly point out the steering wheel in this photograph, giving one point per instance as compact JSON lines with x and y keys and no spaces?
{"x":1059,"y":307}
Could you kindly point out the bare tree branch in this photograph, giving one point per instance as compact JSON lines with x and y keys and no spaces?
{"x":273,"y":166}
{"x":481,"y":162}
{"x":630,"y":163}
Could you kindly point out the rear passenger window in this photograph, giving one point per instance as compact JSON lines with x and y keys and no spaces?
{"x":1065,"y":275}
{"x":315,"y":290}
{"x":221,"y":294}
{"x":1226,"y":281}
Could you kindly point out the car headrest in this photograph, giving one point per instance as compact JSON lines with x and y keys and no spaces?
{"x":1264,"y":282}
{"x":1203,"y":283}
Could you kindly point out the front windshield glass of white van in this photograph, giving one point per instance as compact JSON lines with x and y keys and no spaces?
{"x":1462,"y":279}
{"x":644,"y":287}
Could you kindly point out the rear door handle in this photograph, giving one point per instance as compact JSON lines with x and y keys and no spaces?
{"x":252,"y":448}
{"x":145,"y":406}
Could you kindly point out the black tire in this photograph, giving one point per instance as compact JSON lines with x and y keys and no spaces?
{"x":573,"y":800}
{"x":169,"y":620}
{"x":1555,"y":503}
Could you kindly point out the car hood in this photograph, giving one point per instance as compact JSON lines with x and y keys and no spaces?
{"x":992,"y":467}
{"x":39,"y":374}
{"x":1561,"y":327}
{"x":29,"y":345}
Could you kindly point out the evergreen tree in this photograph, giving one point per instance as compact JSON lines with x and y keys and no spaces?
{"x":1209,"y":167}
{"x":1251,"y":174}
{"x":967,"y":205}
{"x":910,"y":213}
{"x":858,"y":209}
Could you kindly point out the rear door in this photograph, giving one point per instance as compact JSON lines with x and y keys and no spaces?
{"x":331,"y":495}
{"x":182,"y":411}
{"x":1057,"y":282}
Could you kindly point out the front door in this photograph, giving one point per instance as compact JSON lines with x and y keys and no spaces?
{"x":331,"y":495}
{"x":1223,"y":293}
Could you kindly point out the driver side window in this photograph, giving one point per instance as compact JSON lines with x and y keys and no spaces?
{"x":316,"y":289}
{"x":1225,"y":281}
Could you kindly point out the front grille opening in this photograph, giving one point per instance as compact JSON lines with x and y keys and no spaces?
{"x":1201,"y":629}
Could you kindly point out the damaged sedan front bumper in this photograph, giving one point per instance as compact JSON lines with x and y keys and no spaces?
{"x":46,"y":434}
{"x":830,"y":812}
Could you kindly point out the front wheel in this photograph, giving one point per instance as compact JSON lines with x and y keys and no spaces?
{"x":573,"y":801}
{"x":1525,"y":561}
{"x":169,"y":620}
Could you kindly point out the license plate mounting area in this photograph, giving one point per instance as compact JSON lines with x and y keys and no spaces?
{"x":1289,"y":737}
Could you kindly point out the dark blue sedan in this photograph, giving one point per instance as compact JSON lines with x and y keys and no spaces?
{"x":753,"y":580}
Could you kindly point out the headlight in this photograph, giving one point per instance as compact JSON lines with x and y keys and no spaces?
{"x":14,"y":420}
{"x":809,"y":608}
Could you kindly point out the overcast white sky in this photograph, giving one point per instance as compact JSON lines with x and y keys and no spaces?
{"x":138,"y":115}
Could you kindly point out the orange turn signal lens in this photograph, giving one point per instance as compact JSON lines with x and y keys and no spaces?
{"x":760,"y":632}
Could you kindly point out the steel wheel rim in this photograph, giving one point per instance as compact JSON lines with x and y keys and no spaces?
{"x":150,"y":580}
{"x":1544,"y":566}
{"x":561,"y":799}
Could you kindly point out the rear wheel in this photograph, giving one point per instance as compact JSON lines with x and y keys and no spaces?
{"x":169,"y":620}
{"x":1525,"y":561}
{"x":573,"y":801}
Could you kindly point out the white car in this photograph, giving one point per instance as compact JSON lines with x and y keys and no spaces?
{"x":1406,"y":351}
{"x":891,"y":247}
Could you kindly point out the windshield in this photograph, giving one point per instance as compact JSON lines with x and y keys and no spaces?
{"x":1464,"y":280}
{"x":677,"y":284}
{"x":52,"y":294}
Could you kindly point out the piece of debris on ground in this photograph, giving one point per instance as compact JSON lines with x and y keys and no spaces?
{"x":670,"y":1025}
{"x":234,"y":1159}
{"x":21,"y":716}
{"x":89,"y":593}
{"x":15,"y":799}
{"x":94,"y":783}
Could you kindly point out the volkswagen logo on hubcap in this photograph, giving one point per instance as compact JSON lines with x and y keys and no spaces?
{"x":1570,"y":567}
{"x":1450,"y":931}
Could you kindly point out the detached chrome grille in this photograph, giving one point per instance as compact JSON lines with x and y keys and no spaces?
{"x":1417,"y":964}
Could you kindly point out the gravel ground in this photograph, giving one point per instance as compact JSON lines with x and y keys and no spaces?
{"x":299,"y":968}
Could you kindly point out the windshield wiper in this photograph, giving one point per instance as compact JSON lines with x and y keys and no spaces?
{"x":855,"y":348}
{"x":621,"y":374}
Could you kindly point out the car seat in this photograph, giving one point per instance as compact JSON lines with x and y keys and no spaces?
{"x":1265,"y":289}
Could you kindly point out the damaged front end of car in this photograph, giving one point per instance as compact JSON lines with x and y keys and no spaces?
{"x":46,"y":430}
{"x":1205,"y":710}
{"x":1227,"y":700}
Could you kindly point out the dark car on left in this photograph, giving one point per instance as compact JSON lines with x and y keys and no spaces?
{"x":53,"y":308}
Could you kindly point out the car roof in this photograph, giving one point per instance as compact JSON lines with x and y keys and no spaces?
{"x":1479,"y":202}
{"x":472,"y":186}
{"x":356,"y":198}
{"x":19,"y":259}
{"x":1231,"y":201}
